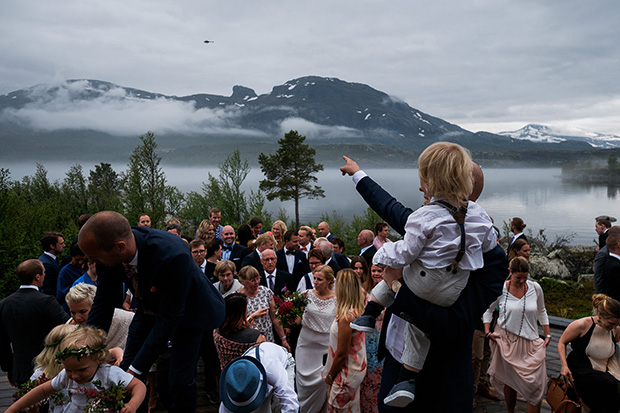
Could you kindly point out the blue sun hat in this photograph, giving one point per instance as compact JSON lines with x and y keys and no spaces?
{"x":243,"y":384}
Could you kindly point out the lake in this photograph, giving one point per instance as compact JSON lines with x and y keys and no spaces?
{"x":537,"y":195}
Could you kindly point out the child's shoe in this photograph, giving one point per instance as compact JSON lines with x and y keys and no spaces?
{"x":365,"y":323}
{"x":401,"y":394}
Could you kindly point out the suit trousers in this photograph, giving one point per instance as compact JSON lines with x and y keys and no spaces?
{"x":183,"y":360}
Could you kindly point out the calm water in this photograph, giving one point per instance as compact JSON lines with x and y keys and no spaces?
{"x":536,"y":194}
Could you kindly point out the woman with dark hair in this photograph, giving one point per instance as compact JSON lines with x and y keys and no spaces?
{"x":236,"y":334}
{"x":594,"y":362}
{"x":360,"y":266}
{"x":518,"y":363}
{"x":520,"y":248}
{"x":214,"y":255}
{"x":245,"y":236}
{"x":382,"y":231}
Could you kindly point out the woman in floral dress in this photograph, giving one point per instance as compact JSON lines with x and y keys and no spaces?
{"x":346,"y":360}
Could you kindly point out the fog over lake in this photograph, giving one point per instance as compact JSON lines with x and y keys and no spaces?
{"x":537,"y":195}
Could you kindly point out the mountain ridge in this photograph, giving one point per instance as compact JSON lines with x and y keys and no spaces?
{"x":329,"y":111}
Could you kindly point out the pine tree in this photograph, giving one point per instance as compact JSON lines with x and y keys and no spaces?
{"x":290,"y":171}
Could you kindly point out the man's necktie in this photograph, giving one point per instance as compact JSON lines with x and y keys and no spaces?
{"x":271,"y":286}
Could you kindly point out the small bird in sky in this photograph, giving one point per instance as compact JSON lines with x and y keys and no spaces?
{"x":209,"y":41}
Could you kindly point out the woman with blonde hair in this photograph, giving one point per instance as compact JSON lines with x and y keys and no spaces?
{"x":205,"y":231}
{"x":594,"y":362}
{"x":313,"y":343}
{"x":278,"y":229}
{"x":346,"y":361}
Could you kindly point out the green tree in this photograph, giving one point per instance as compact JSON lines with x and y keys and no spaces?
{"x":104,"y":189}
{"x":144,"y":183}
{"x":224,"y":192}
{"x":290,"y":171}
{"x":73,"y":191}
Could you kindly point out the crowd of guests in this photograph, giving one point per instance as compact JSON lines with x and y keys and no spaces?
{"x":116,"y":284}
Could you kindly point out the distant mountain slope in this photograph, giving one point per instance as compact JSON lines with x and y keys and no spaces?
{"x":547,"y":134}
{"x":101,"y":120}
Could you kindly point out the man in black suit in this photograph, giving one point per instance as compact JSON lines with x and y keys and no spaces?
{"x":516,"y":226}
{"x":446,"y":381}
{"x":272,"y":278}
{"x":231,"y":250}
{"x":26,"y":317}
{"x":601,"y":227}
{"x":52,"y":243}
{"x":263,"y":242}
{"x":327,"y":249}
{"x":176,"y":302}
{"x":611,"y":265}
{"x":290,"y":259}
{"x":367,"y":250}
{"x":324,"y":231}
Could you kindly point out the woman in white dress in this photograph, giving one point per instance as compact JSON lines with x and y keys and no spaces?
{"x":313,"y":341}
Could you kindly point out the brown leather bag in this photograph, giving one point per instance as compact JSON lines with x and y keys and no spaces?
{"x":562,"y":395}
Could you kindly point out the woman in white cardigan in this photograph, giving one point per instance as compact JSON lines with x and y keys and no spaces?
{"x":518,"y":364}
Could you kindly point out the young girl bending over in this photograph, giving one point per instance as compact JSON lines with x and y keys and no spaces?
{"x":82,"y":353}
{"x":443,"y":243}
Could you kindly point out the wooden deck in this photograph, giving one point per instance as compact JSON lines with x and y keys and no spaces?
{"x":483,"y":404}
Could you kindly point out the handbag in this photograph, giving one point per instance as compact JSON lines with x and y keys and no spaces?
{"x":562,"y":395}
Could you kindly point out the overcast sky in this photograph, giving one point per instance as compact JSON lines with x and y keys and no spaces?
{"x":484,"y":65}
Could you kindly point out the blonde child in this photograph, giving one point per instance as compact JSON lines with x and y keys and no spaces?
{"x":82,"y":354}
{"x":443,"y":243}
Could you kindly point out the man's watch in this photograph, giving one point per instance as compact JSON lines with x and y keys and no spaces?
{"x":395,"y":286}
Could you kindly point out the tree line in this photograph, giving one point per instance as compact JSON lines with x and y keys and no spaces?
{"x":34,"y":205}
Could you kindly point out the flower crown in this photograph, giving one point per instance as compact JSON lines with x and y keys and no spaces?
{"x":83,"y":351}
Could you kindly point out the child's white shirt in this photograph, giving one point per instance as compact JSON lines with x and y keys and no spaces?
{"x":433,"y":238}
{"x":108,"y":376}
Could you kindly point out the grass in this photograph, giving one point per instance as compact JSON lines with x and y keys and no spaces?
{"x":568,"y":299}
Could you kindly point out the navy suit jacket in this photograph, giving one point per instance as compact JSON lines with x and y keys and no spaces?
{"x":599,"y":261}
{"x":52,"y":268}
{"x":253,"y":259}
{"x":283,"y":279}
{"x":445,"y":383}
{"x":522,"y":236}
{"x":26,"y":317}
{"x":300,"y":267}
{"x":368,"y":254}
{"x":611,"y":277}
{"x":341,"y":259}
{"x":170,"y":285}
{"x":237,"y":254}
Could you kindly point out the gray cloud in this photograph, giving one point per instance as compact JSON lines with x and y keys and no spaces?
{"x":483,"y":62}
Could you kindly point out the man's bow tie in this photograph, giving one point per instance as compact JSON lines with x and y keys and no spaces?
{"x":225,"y":248}
{"x":302,"y":248}
{"x":291,"y":252}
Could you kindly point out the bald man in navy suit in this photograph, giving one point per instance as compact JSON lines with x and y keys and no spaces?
{"x":176,"y":302}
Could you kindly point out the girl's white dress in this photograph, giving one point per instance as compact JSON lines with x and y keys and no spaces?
{"x":106,"y":374}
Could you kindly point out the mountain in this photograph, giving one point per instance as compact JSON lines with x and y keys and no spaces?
{"x":97,"y":120}
{"x":547,"y":134}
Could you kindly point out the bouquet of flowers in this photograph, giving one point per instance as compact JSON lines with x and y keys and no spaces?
{"x":289,"y":307}
{"x":58,"y":398}
{"x":102,"y":400}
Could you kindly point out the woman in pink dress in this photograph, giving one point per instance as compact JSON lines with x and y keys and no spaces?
{"x":346,"y":358}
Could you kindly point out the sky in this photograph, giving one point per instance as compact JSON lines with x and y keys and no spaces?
{"x":490,"y":65}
